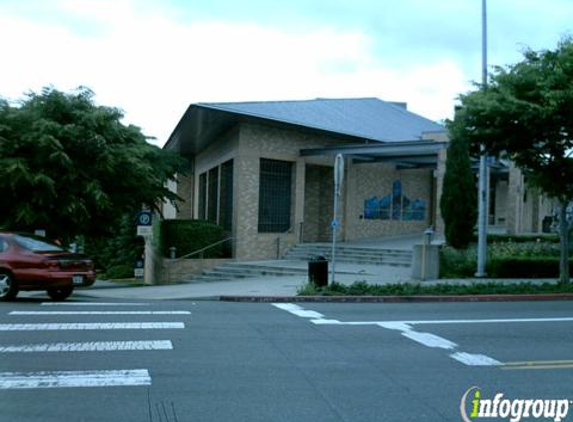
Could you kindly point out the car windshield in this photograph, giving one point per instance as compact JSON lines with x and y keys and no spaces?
{"x":36,"y":243}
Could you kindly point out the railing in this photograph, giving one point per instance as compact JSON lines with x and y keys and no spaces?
{"x":197,"y":252}
{"x":279,"y":241}
{"x":202,"y":250}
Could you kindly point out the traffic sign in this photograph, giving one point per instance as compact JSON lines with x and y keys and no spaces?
{"x":144,"y":218}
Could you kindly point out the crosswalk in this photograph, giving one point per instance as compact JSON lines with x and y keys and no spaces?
{"x":60,"y":314}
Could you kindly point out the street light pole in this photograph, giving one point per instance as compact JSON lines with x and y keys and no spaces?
{"x":483,"y":173}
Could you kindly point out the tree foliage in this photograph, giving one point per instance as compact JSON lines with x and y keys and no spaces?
{"x":71,"y":167}
{"x":525,"y":113}
{"x":459,"y":197}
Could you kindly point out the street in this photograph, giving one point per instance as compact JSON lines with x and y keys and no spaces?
{"x":88,"y":360}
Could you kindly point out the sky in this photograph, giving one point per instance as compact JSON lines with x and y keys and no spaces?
{"x":153,"y":58}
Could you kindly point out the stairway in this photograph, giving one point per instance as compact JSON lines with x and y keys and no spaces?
{"x":296,"y":260}
{"x":352,"y":254}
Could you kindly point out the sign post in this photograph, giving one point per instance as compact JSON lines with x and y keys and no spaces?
{"x":338,"y":176}
{"x":145,"y":229}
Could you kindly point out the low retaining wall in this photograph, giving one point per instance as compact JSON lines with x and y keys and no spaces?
{"x":175,"y":269}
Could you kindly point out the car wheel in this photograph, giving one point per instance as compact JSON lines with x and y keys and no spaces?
{"x":8,"y":286}
{"x":60,"y":293}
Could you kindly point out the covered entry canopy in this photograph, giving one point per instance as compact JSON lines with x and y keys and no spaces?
{"x":406,"y":154}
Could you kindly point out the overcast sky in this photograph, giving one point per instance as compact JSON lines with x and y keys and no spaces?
{"x":152,"y":58}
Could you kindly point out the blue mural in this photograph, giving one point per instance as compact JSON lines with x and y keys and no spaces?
{"x":395,"y":206}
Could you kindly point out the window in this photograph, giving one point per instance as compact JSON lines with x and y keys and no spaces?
{"x":213,"y":195}
{"x":202,"y":196}
{"x":226,"y":196}
{"x":275,"y":196}
{"x":215,"y":202}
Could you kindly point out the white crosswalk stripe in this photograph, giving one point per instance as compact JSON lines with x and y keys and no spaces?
{"x":93,"y":326}
{"x":49,"y":313}
{"x":91,"y":346}
{"x":94,"y":304}
{"x":52,"y":377}
{"x":58,"y":379}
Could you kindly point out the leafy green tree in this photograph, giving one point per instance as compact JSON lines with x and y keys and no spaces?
{"x":459,"y":197}
{"x":525,"y":113}
{"x":71,"y":167}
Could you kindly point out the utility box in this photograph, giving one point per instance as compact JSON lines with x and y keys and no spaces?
{"x":318,"y":271}
{"x":426,"y":262}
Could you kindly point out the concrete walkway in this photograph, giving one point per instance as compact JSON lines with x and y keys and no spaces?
{"x":258,"y":286}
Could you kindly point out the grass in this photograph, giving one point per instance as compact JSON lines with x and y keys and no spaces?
{"x":362,"y":288}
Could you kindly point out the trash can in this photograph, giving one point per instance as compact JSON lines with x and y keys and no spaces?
{"x":546,"y":224}
{"x":318,"y":271}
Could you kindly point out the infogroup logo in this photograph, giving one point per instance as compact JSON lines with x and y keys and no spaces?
{"x":473,"y":406}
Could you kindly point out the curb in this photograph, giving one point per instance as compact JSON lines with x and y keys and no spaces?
{"x":402,"y":299}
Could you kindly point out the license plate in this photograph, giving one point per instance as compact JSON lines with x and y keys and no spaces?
{"x":78,"y":279}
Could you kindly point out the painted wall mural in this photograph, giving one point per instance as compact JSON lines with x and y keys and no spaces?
{"x":395,"y":206}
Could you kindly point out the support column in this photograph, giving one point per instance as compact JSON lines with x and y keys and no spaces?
{"x":514,"y":200}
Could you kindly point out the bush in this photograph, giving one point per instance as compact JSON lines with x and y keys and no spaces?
{"x":408,"y":289}
{"x":530,"y":267}
{"x":119,"y":271}
{"x":190,"y":236}
{"x":521,"y":238}
{"x":455,"y":263}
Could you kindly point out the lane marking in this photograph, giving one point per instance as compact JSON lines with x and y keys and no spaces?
{"x":405,"y":328}
{"x":388,"y":324}
{"x":471,"y":359}
{"x":94,"y":304}
{"x":59,"y":379}
{"x":540,"y":364}
{"x":93,"y":326}
{"x":38,"y":313}
{"x":298,"y":311}
{"x":430,"y":340}
{"x":94,"y":346}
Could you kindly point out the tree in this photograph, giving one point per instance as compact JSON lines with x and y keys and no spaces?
{"x":525,"y":113}
{"x":459,"y":197}
{"x":71,"y":167}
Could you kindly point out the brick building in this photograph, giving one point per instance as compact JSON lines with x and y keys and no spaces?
{"x":264,"y":171}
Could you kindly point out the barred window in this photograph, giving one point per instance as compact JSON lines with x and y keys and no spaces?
{"x":275,"y":196}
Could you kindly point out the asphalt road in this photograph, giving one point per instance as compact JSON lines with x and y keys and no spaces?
{"x":214,"y":361}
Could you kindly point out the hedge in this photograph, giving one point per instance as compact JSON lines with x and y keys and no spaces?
{"x":190,"y":236}
{"x":521,"y":238}
{"x":534,"y":267}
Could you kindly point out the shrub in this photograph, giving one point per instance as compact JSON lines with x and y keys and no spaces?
{"x":190,"y":236}
{"x":529,"y":267}
{"x":455,"y":263}
{"x":119,"y":271}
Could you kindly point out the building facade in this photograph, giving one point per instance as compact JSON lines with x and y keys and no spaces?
{"x":264,"y":171}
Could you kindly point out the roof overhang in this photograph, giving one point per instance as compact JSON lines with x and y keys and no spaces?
{"x":407,"y":154}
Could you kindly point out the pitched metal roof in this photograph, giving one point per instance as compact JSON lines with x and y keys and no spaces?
{"x":368,"y":118}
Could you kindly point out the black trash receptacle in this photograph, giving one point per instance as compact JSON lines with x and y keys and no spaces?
{"x":546,"y":224}
{"x":318,"y":271}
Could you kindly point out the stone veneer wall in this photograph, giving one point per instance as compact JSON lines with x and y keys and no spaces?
{"x":247,"y":143}
{"x":186,"y":192}
{"x":376,"y":179}
{"x":319,"y":197}
{"x":256,"y":142}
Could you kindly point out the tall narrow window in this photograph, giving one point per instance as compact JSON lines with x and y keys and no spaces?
{"x":226,"y":198}
{"x":202,"y":196}
{"x":213,"y":195}
{"x":275,"y":196}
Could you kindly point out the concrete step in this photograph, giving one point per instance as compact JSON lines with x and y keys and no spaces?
{"x":353,"y":254}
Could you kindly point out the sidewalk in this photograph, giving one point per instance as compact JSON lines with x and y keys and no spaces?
{"x":280,"y":288}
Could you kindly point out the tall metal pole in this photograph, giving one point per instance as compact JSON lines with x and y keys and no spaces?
{"x":483,"y":171}
{"x":338,"y":176}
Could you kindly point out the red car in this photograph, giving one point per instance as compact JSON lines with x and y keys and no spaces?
{"x":29,"y":262}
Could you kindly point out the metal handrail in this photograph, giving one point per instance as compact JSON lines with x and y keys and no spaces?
{"x":200,"y":251}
